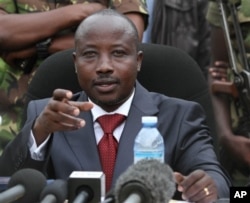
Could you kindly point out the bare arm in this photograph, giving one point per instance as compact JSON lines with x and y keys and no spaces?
{"x":35,"y":26}
{"x":18,"y":42}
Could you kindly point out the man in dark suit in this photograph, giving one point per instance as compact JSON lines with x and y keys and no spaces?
{"x":61,"y":134}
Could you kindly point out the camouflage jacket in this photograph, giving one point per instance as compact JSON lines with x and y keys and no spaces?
{"x":14,"y":82}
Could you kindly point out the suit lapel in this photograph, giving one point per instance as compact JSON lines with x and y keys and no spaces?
{"x":83,"y":143}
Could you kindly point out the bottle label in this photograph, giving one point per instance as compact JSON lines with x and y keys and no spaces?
{"x":148,"y":155}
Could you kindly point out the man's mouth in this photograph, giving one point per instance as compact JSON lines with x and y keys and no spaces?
{"x":106,"y":85}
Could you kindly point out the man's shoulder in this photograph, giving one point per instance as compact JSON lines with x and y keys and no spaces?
{"x":164,"y":99}
{"x":38,"y":103}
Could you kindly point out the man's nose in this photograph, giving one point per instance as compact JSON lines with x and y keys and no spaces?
{"x":105,"y":64}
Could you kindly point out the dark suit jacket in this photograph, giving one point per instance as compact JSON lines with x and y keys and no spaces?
{"x":188,"y":144}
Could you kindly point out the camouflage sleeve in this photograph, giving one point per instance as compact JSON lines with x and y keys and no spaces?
{"x":7,"y":5}
{"x":213,"y":14}
{"x":127,"y":6}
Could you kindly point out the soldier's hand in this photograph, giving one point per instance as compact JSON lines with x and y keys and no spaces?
{"x":219,"y":71}
{"x":14,"y":58}
{"x":60,"y":114}
{"x":83,"y":10}
{"x":91,"y":8}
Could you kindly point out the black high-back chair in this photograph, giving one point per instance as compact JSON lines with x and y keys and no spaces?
{"x":165,"y":69}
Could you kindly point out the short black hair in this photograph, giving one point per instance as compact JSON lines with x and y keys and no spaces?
{"x":110,"y":12}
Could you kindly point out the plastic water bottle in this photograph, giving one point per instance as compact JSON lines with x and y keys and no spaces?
{"x":149,"y":143}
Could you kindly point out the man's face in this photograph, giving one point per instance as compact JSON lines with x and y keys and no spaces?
{"x":107,"y":62}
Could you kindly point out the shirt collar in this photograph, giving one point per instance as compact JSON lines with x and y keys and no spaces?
{"x":97,"y":111}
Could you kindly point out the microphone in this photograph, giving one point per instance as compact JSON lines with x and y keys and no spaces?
{"x":55,"y":192}
{"x":3,"y":183}
{"x":147,"y":181}
{"x":24,"y":186}
{"x":86,"y":186}
{"x":110,"y":197}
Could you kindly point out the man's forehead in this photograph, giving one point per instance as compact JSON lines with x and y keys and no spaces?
{"x":106,"y":25}
{"x":99,"y":19}
{"x":110,"y":25}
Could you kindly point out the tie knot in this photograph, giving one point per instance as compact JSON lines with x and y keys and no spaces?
{"x":110,"y":122}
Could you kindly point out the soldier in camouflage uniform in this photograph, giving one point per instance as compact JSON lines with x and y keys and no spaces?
{"x":235,"y":143}
{"x":41,"y":28}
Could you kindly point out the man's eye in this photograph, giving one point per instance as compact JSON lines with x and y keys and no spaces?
{"x":119,"y":53}
{"x":89,"y":54}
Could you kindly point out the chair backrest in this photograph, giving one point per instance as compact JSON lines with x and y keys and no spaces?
{"x":165,"y":69}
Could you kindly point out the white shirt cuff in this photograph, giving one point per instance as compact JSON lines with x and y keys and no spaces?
{"x":37,"y":153}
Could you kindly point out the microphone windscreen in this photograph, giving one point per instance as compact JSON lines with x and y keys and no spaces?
{"x":32,"y":180}
{"x":155,"y":178}
{"x":58,"y":188}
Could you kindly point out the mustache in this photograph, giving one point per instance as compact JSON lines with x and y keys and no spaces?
{"x":105,"y":79}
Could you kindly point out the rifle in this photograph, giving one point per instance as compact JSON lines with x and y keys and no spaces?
{"x":240,"y":87}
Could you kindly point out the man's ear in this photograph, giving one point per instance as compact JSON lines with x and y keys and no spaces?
{"x":138,"y":67}
{"x":139,"y":60}
{"x":75,"y":69}
{"x":74,"y":58}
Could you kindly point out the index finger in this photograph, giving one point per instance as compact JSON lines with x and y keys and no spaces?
{"x":82,"y":106}
{"x":221,"y":64}
{"x":61,"y":94}
{"x":178,"y":177}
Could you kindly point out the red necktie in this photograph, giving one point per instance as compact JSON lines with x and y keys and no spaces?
{"x":108,"y":145}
